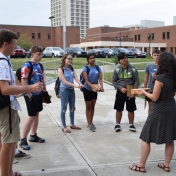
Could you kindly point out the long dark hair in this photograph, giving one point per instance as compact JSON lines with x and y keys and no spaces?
{"x":167,"y":65}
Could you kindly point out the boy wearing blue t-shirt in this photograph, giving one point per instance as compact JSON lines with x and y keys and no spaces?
{"x":150,"y":71}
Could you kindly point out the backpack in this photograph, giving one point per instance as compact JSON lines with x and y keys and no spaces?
{"x":133,"y":71}
{"x":5,"y":101}
{"x":57,"y":83}
{"x":18,"y":71}
{"x":82,"y":80}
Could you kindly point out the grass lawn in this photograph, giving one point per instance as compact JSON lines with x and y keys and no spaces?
{"x":139,"y":63}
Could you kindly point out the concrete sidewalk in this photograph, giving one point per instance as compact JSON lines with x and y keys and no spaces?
{"x":85,"y":153}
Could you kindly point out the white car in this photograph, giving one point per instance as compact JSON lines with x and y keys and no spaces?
{"x":53,"y":52}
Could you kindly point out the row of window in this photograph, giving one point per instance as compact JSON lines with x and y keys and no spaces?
{"x":82,"y":2}
{"x":81,"y":11}
{"x":82,"y":23}
{"x":80,"y":19}
{"x":33,"y":36}
{"x":77,"y":14}
{"x":78,"y":6}
{"x":165,"y":35}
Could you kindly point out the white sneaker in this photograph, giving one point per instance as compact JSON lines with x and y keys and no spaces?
{"x":132,"y":128}
{"x":15,"y":161}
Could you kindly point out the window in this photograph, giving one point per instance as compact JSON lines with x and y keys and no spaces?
{"x":82,"y":31}
{"x":152,"y":36}
{"x":82,"y":23}
{"x":139,"y":37}
{"x":72,"y":22}
{"x":77,"y":6}
{"x":87,"y":23}
{"x":163,"y":35}
{"x":33,"y":35}
{"x":135,"y":37}
{"x":171,"y":49}
{"x":49,"y":36}
{"x":72,"y":18}
{"x":87,"y":7}
{"x":102,"y":31}
{"x":39,"y":36}
{"x":168,"y":35}
{"x":72,"y":14}
{"x":18,"y":34}
{"x":87,"y":11}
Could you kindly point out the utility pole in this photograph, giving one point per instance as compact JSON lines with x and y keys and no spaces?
{"x":51,"y":17}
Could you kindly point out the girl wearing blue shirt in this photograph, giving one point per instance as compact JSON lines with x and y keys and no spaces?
{"x":91,"y":76}
{"x":67,"y":75}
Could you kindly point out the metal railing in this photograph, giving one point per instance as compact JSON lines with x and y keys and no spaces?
{"x":51,"y":70}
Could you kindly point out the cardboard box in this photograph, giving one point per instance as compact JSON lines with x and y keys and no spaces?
{"x":137,"y":91}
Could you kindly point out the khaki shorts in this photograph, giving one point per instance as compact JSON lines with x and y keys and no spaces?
{"x":6,"y":136}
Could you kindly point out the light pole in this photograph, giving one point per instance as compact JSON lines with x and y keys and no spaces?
{"x":51,"y":17}
{"x":118,"y":38}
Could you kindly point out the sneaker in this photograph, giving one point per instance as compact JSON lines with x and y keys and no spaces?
{"x":117,"y":128}
{"x":91,"y":128}
{"x":132,"y":128}
{"x":93,"y":125}
{"x":21,"y":155}
{"x":15,"y":161}
{"x":24,"y":145}
{"x":35,"y":138}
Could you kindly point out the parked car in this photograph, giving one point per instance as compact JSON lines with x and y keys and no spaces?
{"x":76,"y":52}
{"x":28,"y":53}
{"x":108,"y":52}
{"x":138,"y":53}
{"x":53,"y":52}
{"x":96,"y":52}
{"x":129,"y":53}
{"x":115,"y":50}
{"x":19,"y":53}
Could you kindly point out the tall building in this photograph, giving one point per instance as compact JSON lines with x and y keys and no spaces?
{"x":76,"y":13}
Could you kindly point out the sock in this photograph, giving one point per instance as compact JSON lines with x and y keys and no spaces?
{"x":16,"y":151}
{"x":130,"y":124}
{"x":117,"y":123}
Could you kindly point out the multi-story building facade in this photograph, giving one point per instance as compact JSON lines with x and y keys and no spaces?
{"x":75,"y":13}
{"x":45,"y":35}
{"x":163,"y":38}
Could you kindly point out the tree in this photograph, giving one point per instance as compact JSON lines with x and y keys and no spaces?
{"x":24,"y":41}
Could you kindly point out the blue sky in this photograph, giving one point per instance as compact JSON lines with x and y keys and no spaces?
{"x":115,"y":13}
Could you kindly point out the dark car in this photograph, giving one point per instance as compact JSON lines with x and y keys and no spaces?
{"x":108,"y":52}
{"x":138,"y":53}
{"x":19,"y":53}
{"x":96,"y":52}
{"x":115,"y":50}
{"x":129,"y":53}
{"x":76,"y":52}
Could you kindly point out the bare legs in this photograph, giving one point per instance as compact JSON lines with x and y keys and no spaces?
{"x":149,"y":107}
{"x":30,"y":124}
{"x":145,"y":151}
{"x":90,"y":108}
{"x":119,"y":116}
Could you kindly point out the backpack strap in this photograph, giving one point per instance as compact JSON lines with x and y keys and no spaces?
{"x":10,"y":119}
{"x":31,"y":69}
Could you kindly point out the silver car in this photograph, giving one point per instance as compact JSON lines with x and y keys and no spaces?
{"x":53,"y":52}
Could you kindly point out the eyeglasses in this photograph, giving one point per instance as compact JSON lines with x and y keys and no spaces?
{"x":92,"y":58}
{"x":156,"y":55}
{"x":69,"y":58}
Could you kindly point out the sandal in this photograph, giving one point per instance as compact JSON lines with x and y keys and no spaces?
{"x":66,"y":130}
{"x":135,"y":167}
{"x":162,"y":166}
{"x":75,"y":127}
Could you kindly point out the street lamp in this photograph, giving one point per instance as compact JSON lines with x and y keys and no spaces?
{"x":51,"y":17}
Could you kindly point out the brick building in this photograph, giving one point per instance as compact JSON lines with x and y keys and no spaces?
{"x":46,"y":36}
{"x":163,"y":38}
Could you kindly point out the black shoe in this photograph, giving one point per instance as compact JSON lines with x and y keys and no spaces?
{"x":24,"y":145}
{"x":35,"y":138}
{"x":132,"y":128}
{"x":117,"y":128}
